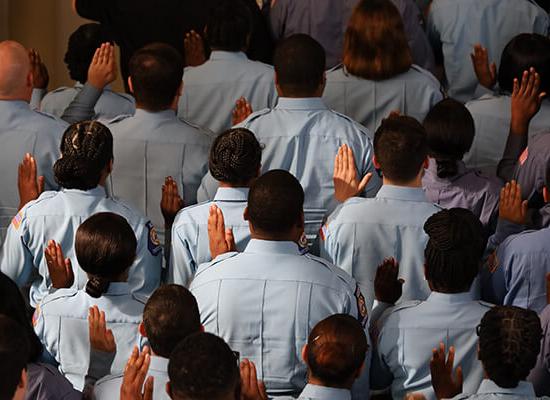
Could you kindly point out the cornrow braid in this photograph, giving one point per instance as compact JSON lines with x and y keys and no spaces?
{"x":454,"y":250}
{"x":509,"y":343}
{"x":235,"y":157}
{"x":86,"y":149}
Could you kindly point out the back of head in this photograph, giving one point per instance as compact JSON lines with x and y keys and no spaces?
{"x":336,"y":350}
{"x":105,"y":247}
{"x":509,"y":343}
{"x":454,"y":250}
{"x":14,"y":71}
{"x":81,"y":49}
{"x":156,"y":72}
{"x":203,"y":367}
{"x":400,"y":148}
{"x":229,"y":26}
{"x":14,"y":352}
{"x":450,"y":129}
{"x":521,"y":53}
{"x":86,"y":150}
{"x":300,"y":65}
{"x":375,"y":45}
{"x":235,"y":157}
{"x":170,"y":315}
{"x":275,"y":202}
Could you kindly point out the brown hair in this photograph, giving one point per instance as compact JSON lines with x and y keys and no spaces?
{"x":375,"y":45}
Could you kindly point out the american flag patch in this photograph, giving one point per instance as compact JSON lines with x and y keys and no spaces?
{"x":16,"y":221}
{"x":524,"y":156}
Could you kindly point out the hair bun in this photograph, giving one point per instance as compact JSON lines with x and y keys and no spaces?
{"x":97,"y":286}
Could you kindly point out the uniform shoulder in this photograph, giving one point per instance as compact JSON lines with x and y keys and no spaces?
{"x":58,"y":295}
{"x":123,"y":96}
{"x":128,"y":211}
{"x":109,"y":380}
{"x":254,"y":116}
{"x":406,"y":305}
{"x":352,"y":122}
{"x":118,"y":118}
{"x":203,"y":268}
{"x":485,"y":304}
{"x":184,"y":216}
{"x":426,"y":75}
{"x":140,"y":298}
{"x":34,"y":207}
{"x":61,"y":90}
{"x":50,"y":118}
{"x":204,"y":132}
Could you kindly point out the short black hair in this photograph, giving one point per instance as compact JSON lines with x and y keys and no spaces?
{"x":521,"y":53}
{"x":235,"y":157}
{"x":105,"y":247}
{"x":450,"y":130}
{"x":275,"y":202}
{"x":86,"y":150}
{"x":203,"y":367}
{"x":336,"y":349}
{"x":300,"y":65}
{"x":400,"y":147}
{"x":170,"y":315}
{"x":229,"y":26}
{"x":157,"y":72}
{"x":81,"y":48}
{"x":454,"y":250}
{"x":509,"y":344}
{"x":14,"y":352}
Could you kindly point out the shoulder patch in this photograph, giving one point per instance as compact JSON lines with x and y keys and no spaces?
{"x":16,"y":221}
{"x":363,"y":315}
{"x":153,"y":242}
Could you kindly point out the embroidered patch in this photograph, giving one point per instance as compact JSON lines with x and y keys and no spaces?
{"x":361,"y":306}
{"x":524,"y":156}
{"x":153,"y":244}
{"x":16,"y":221}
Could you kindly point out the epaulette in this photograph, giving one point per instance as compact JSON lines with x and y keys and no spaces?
{"x":57,"y":295}
{"x":205,"y":267}
{"x":404,"y":305}
{"x":486,"y":304}
{"x":45,"y":114}
{"x":255,"y":115}
{"x":119,"y":118}
{"x":140,"y":297}
{"x":360,"y":127}
{"x":335,"y":68}
{"x":61,"y":89}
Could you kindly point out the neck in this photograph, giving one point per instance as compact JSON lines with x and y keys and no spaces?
{"x":312,"y":380}
{"x":292,"y":236}
{"x":231,"y":185}
{"x":173,"y":107}
{"x":15,"y":98}
{"x":415,"y":183}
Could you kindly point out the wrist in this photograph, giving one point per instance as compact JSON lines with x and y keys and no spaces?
{"x":519,"y":126}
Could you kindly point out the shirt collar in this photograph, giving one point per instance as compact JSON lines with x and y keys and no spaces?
{"x":159,"y":115}
{"x":523,"y":389}
{"x":450,"y":298}
{"x":227,"y":55}
{"x":98,"y":191}
{"x":117,"y":289}
{"x":15,"y":104}
{"x":272,"y":247}
{"x":158,"y":365}
{"x":323,"y":392}
{"x":402,"y":193}
{"x":303,"y":104}
{"x":432,"y":171}
{"x":232,"y":194}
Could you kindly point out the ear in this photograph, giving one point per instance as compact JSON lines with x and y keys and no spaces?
{"x":546,"y":194}
{"x":141,"y":329}
{"x":245,"y":214}
{"x":130,"y":85}
{"x":304,"y":353}
{"x":30,"y":78}
{"x":302,"y":221}
{"x":375,"y":162}
{"x":23,"y":381}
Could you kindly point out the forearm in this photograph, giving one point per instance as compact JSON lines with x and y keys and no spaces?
{"x":82,"y":106}
{"x":515,"y":146}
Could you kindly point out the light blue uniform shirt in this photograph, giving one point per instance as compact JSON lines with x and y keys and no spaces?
{"x":368,"y":102}
{"x":408,"y":332}
{"x":489,"y":390}
{"x":108,"y":388}
{"x":211,"y":90}
{"x":455,"y":26}
{"x":492,"y":115}
{"x":23,"y":130}
{"x":61,"y":323}
{"x":110,"y":104}
{"x":361,"y":233}
{"x":150,"y":146}
{"x":264,"y":303}
{"x":316,"y":392}
{"x":303,"y":136}
{"x":57,"y":216}
{"x":190,"y":244}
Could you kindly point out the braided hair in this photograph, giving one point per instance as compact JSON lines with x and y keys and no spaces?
{"x":235,"y":157}
{"x":509,"y":344}
{"x":86,"y":149}
{"x":454,"y":250}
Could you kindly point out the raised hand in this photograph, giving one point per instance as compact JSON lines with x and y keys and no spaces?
{"x":29,"y":185}
{"x":134,"y":377}
{"x":388,"y":288}
{"x":511,"y":206}
{"x":221,"y":239}
{"x":194,"y":49}
{"x":171,"y":202}
{"x":59,"y":267}
{"x":251,"y":387}
{"x":347,"y":183}
{"x":445,"y":385}
{"x":526,"y":101}
{"x":103,"y":68}
{"x":101,"y":338}
{"x":486,"y":74}
{"x":241,"y":111}
{"x":40,"y":76}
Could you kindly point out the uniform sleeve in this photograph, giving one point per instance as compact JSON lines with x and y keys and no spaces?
{"x":182,"y":265}
{"x":207,"y":189}
{"x":145,"y":274}
{"x":495,"y":275}
{"x":82,"y":107}
{"x":46,"y":152}
{"x":16,"y":260}
{"x":48,"y":330}
{"x":336,"y":245}
{"x":368,"y":166}
{"x":91,"y":9}
{"x":36,"y":98}
{"x":381,"y":376}
{"x":195,"y":167}
{"x":278,"y":18}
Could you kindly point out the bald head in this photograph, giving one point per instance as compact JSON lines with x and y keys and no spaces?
{"x":15,"y":72}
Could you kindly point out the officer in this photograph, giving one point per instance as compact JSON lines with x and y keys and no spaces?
{"x":235,"y":161}
{"x":361,"y":233}
{"x":86,"y":162}
{"x":81,"y":48}
{"x":171,"y":314}
{"x":368,"y":88}
{"x":406,"y":334}
{"x":22,"y":130}
{"x":301,"y":134}
{"x":454,"y":26}
{"x":447,"y":182}
{"x":212,"y":88}
{"x":105,"y":248}
{"x":266,"y":300}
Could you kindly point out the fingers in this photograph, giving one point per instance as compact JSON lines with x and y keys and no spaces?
{"x":41,"y":183}
{"x":459,"y":376}
{"x":364,"y":182}
{"x":450,"y":358}
{"x":230,"y":240}
{"x":493,"y":71}
{"x":148,"y":388}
